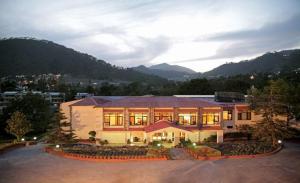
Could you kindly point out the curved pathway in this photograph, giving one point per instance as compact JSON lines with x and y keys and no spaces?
{"x":32,"y":165}
{"x":180,"y":154}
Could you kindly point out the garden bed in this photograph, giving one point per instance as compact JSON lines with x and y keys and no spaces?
{"x":203,"y":152}
{"x":244,"y":148}
{"x":90,"y":152}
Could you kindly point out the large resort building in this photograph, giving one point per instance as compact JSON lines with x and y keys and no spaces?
{"x":143,"y":119}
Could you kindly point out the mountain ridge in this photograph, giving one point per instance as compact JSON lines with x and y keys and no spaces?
{"x":32,"y":56}
{"x":285,"y":60}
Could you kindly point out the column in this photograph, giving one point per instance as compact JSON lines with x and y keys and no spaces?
{"x":220,"y":136}
{"x":175,"y":114}
{"x":126,"y":118}
{"x":151,"y":116}
{"x":199,"y":117}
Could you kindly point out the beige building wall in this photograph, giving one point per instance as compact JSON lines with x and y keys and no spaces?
{"x":115,"y":137}
{"x":205,"y":134}
{"x":66,"y":109}
{"x":86,"y":119}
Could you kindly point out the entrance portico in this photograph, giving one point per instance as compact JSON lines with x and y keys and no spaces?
{"x":167,"y":131}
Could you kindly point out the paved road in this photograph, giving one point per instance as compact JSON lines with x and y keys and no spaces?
{"x":179,"y":154}
{"x":31,"y":165}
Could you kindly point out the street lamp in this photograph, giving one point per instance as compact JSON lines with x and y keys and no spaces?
{"x":34,"y":138}
{"x":279,"y":141}
{"x":22,"y":139}
{"x":57,"y":146}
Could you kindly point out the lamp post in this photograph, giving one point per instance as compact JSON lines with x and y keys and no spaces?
{"x":252,"y":81}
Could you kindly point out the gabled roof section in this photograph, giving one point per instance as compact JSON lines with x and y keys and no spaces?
{"x":163,"y":124}
{"x":91,"y":101}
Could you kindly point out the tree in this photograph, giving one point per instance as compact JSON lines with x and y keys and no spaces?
{"x":36,"y":109}
{"x":269,"y":103}
{"x":18,"y":125}
{"x":196,"y":87}
{"x":60,"y":130}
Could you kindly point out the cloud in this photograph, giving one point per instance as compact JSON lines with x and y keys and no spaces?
{"x":121,"y":49}
{"x":271,"y":37}
{"x":130,"y":33}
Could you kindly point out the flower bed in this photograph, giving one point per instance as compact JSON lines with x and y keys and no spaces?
{"x":244,"y":148}
{"x":89,"y":152}
{"x":203,"y":152}
{"x":106,"y":151}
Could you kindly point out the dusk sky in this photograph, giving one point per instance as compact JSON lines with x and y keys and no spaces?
{"x":197,"y":34}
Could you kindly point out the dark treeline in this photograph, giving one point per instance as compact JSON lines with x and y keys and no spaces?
{"x":200,"y":86}
{"x":38,"y":111}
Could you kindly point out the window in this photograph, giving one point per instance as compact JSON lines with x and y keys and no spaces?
{"x":244,"y":115}
{"x":137,"y":119}
{"x":182,"y":135}
{"x":210,"y":118}
{"x":162,"y":116}
{"x":227,"y":115}
{"x":160,"y":136}
{"x":188,"y":119}
{"x":113,"y":119}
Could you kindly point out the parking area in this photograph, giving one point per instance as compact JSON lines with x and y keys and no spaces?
{"x":31,"y":164}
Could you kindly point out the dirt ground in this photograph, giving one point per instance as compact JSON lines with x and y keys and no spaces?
{"x":32,"y":165}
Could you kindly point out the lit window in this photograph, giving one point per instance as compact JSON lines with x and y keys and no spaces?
{"x":210,"y":118}
{"x":227,"y":115}
{"x":137,"y":119}
{"x":188,"y":119}
{"x":162,"y":116}
{"x":113,"y":119}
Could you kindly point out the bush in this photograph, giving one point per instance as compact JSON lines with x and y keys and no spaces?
{"x":170,"y":141}
{"x":154,"y":143}
{"x":243,"y":148}
{"x":92,"y":135}
{"x":237,"y":135}
{"x":128,"y":141}
{"x":103,"y":142}
{"x":136,"y":139}
{"x":185,"y":143}
{"x":212,"y":138}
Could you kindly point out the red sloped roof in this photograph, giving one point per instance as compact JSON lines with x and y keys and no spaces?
{"x":163,"y":124}
{"x":159,"y":101}
{"x":91,"y":101}
{"x":145,"y":101}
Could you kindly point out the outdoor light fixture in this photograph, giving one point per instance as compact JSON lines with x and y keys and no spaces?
{"x":34,"y":138}
{"x":194,"y":144}
{"x":23,"y":139}
{"x":279,"y":141}
{"x":131,"y":144}
{"x":158,"y":145}
{"x":57,"y":146}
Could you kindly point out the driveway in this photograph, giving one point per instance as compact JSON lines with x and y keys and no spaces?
{"x":32,"y":165}
{"x":179,"y":154}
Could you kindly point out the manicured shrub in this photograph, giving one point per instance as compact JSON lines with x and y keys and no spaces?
{"x":92,"y":135}
{"x":212,"y":138}
{"x":244,"y":148}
